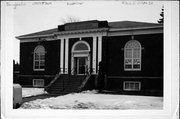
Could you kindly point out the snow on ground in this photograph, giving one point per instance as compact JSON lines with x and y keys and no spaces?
{"x":94,"y":100}
{"x":27,"y":92}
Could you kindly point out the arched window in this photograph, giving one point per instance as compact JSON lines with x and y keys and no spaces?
{"x":80,"y":46}
{"x":132,"y":55}
{"x":39,"y":58}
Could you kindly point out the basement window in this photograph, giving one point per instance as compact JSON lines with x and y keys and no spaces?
{"x":38,"y":82}
{"x":132,"y":86}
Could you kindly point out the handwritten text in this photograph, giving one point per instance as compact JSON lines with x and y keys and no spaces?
{"x":137,"y":2}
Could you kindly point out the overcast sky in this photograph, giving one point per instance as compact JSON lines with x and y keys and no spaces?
{"x":34,"y":16}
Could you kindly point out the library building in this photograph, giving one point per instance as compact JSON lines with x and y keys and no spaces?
{"x":124,"y":57}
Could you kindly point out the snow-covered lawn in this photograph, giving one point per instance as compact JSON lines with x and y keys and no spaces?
{"x":27,"y":92}
{"x":94,"y":100}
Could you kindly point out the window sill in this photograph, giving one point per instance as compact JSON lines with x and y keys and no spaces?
{"x":38,"y":85}
{"x":130,"y":90}
{"x":132,"y":69}
{"x":39,"y":69}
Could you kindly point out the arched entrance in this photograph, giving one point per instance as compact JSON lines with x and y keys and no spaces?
{"x":80,"y":58}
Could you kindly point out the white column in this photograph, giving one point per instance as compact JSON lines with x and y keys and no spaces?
{"x":99,"y":49}
{"x":94,"y":54}
{"x":66,"y":55}
{"x":62,"y":55}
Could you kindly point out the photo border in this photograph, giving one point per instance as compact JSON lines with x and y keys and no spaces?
{"x":171,"y":77}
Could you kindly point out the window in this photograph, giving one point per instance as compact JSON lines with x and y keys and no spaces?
{"x":39,"y":58}
{"x":38,"y":82}
{"x":132,"y":86}
{"x":81,"y":46}
{"x":132,"y":56}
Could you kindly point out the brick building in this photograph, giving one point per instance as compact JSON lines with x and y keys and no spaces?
{"x":65,"y":59}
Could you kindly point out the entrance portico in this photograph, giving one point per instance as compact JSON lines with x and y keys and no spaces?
{"x":84,"y":57}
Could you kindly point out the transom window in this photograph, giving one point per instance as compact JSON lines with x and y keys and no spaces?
{"x":39,"y":58}
{"x":81,"y":46}
{"x":132,"y":86}
{"x":132,"y":55}
{"x":38,"y":82}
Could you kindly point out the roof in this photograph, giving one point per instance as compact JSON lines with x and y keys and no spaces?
{"x":44,"y":32}
{"x":117,"y":24}
{"x":131,"y":24}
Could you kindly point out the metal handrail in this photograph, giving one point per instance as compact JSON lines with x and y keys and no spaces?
{"x":85,"y":79}
{"x":84,"y":82}
{"x":55,"y":78}
{"x":88,"y":71}
{"x":72,"y":71}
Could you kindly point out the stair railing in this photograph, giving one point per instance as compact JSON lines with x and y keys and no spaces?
{"x":72,"y":71}
{"x":52,"y":82}
{"x":86,"y":79}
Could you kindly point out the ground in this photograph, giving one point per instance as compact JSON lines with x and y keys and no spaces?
{"x":27,"y":92}
{"x":94,"y":100}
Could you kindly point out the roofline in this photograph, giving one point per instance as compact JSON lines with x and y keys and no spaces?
{"x":135,"y":28}
{"x":34,"y":36}
{"x":82,"y":31}
{"x":136,"y":22}
{"x":108,"y":29}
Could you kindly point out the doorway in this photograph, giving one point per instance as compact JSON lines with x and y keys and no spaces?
{"x":81,"y":65}
{"x":80,"y":59}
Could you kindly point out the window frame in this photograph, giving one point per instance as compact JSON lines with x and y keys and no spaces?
{"x":132,"y":56}
{"x":39,"y":60}
{"x":131,"y":82}
{"x":79,"y":51}
{"x":38,"y":85}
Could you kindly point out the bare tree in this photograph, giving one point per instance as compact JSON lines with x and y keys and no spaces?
{"x":70,"y":19}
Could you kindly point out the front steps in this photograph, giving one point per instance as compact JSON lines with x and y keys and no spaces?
{"x":66,"y":84}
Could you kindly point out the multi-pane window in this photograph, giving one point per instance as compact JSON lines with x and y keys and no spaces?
{"x":132,"y":85}
{"x":38,"y":82}
{"x":132,"y":55}
{"x":39,"y":58}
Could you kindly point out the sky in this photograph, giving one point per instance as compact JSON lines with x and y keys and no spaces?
{"x":29,"y":17}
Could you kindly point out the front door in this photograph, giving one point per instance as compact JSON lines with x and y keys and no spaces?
{"x":81,"y":65}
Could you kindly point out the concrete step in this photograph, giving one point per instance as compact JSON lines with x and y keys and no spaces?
{"x":70,"y":83}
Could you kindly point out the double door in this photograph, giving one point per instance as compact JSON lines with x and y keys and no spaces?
{"x":81,"y":65}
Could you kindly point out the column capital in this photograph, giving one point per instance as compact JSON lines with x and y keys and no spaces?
{"x":95,"y":36}
{"x":99,"y":36}
{"x":62,"y":38}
